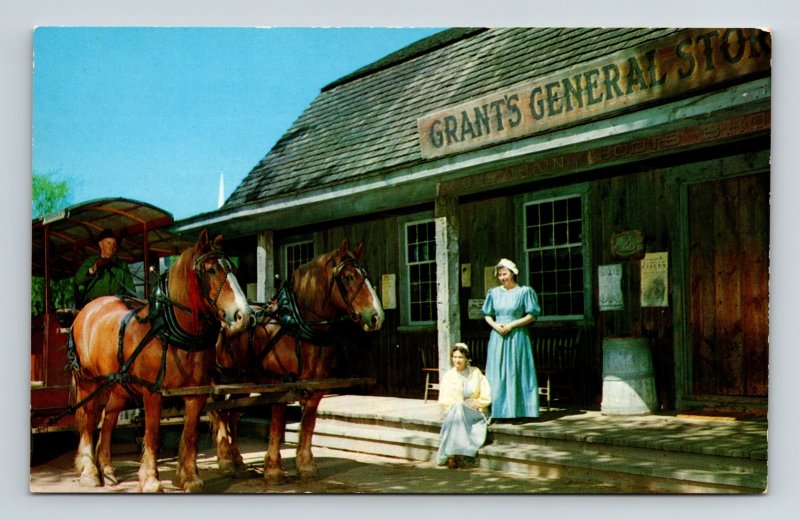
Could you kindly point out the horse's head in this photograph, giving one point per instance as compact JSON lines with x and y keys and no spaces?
{"x":211,"y":284}
{"x":354,"y":292}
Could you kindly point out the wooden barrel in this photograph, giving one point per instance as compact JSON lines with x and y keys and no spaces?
{"x":628,"y":384}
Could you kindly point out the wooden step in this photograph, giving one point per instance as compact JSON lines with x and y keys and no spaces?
{"x":513,"y":452}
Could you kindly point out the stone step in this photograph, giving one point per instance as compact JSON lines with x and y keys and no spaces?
{"x":535,"y":455}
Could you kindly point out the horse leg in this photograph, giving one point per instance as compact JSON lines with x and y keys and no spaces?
{"x":222,"y":440}
{"x":186,"y":475}
{"x":229,"y":459}
{"x":236,"y":454}
{"x":148,"y":468}
{"x":86,"y":420}
{"x":306,"y":467}
{"x":273,"y":468}
{"x":110,"y":415}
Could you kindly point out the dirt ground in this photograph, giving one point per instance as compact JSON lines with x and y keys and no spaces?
{"x":341,"y":472}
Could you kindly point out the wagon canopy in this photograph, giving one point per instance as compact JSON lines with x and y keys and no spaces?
{"x":70,"y":234}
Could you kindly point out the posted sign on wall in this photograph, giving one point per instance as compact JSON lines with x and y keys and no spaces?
{"x":688,"y":61}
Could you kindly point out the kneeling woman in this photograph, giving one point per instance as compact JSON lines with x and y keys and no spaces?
{"x":465,"y":395}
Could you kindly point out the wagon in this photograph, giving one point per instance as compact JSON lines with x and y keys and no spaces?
{"x":61,"y":242}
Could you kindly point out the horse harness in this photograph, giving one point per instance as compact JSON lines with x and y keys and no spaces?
{"x":287,"y":314}
{"x":163,"y":324}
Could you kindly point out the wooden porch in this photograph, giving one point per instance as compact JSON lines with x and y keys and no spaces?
{"x":685,"y":453}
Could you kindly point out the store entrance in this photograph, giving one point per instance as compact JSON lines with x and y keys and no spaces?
{"x":728,"y":293}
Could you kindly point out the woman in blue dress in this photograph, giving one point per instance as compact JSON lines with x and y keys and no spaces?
{"x":509,"y":309}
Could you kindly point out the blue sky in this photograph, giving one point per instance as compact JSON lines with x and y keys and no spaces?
{"x":157,"y":114}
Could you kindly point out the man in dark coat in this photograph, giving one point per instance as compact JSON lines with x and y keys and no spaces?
{"x":103,"y":274}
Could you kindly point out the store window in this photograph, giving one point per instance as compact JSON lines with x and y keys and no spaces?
{"x":296,"y":254}
{"x":420,"y":248}
{"x":554,"y":250}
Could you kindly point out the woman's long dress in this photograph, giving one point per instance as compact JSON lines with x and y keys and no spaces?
{"x":464,"y":428}
{"x":509,"y":358}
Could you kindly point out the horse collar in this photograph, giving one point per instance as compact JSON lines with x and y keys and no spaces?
{"x":170,"y":331}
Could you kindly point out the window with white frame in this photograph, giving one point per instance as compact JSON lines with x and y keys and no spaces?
{"x":296,"y":254}
{"x":554,"y":252}
{"x":420,"y":247}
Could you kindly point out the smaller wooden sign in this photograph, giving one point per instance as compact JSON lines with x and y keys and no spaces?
{"x":627,"y":245}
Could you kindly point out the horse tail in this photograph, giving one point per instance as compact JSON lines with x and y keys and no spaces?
{"x":72,"y":356}
{"x":74,"y":403}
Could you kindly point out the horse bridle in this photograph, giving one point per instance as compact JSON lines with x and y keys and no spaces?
{"x":227,"y":266}
{"x":336,"y":277}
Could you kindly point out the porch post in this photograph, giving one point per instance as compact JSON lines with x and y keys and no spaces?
{"x":447,"y":278}
{"x":265,"y":266}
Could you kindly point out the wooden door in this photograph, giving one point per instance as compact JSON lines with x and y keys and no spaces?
{"x":728,"y":273}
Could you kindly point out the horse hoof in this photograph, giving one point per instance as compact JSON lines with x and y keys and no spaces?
{"x":228,"y":467}
{"x":193,"y":486}
{"x":108,"y":476}
{"x":309,"y":474}
{"x":90,"y":480}
{"x":152,"y":486}
{"x":274,"y":477}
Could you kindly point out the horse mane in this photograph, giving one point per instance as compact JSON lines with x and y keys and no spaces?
{"x":184,"y":287}
{"x":305,"y":275}
{"x":315,"y":297}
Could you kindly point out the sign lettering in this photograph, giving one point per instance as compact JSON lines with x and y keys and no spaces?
{"x":686,"y":62}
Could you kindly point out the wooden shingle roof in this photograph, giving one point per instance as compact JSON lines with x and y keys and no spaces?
{"x":365,"y":123}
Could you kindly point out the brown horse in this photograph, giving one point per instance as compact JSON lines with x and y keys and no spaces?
{"x":132,"y":349}
{"x":292,"y":341}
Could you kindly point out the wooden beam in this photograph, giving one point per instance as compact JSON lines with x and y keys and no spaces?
{"x":255,"y":388}
{"x":247,"y":402}
{"x":265,"y":266}
{"x":447,"y":278}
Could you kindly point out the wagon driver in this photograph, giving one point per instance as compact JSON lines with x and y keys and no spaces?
{"x":103,"y":274}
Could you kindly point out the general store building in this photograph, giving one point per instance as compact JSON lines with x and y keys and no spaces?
{"x":626,"y":171}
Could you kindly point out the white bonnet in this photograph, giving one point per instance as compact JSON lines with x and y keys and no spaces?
{"x":508,"y":264}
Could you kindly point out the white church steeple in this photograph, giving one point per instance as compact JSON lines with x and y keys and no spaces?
{"x":221,"y":198}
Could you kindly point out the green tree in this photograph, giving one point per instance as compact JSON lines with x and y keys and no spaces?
{"x":49,"y":194}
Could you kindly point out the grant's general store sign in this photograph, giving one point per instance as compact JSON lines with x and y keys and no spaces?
{"x":691,"y":60}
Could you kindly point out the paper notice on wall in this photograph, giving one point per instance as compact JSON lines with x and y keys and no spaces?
{"x":655,"y":277}
{"x":466,"y":275}
{"x":474,"y":309}
{"x":489,"y":279}
{"x":389,"y":291}
{"x":610,"y":287}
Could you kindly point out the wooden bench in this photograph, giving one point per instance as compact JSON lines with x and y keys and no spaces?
{"x":555,"y":352}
